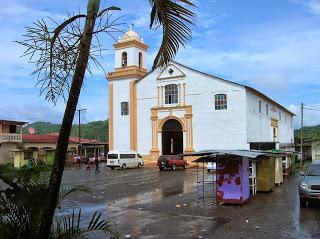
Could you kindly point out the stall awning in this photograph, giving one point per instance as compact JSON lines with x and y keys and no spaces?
{"x":211,"y":155}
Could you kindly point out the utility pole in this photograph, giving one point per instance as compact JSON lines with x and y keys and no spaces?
{"x":301,"y":136}
{"x":79,"y":129}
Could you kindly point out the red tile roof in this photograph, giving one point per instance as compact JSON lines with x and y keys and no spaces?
{"x":53,"y":138}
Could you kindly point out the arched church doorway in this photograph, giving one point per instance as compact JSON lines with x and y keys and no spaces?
{"x":172,"y":138}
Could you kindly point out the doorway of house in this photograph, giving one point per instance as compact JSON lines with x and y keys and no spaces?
{"x":172,"y":138}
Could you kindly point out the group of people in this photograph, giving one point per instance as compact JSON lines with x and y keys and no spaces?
{"x":93,"y":160}
{"x":90,"y":160}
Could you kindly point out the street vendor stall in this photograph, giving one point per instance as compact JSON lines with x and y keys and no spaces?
{"x":232,"y":173}
{"x":265,"y":174}
{"x":278,"y":171}
{"x":232,"y":179}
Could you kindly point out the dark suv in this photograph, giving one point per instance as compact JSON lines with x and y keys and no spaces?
{"x":171,"y":161}
{"x":310,"y":184}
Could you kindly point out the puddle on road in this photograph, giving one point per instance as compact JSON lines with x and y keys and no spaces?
{"x":118,"y":209}
{"x":179,"y":187}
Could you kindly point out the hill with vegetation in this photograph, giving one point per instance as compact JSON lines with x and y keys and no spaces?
{"x":99,"y":130}
{"x":311,"y":132}
{"x":93,"y":130}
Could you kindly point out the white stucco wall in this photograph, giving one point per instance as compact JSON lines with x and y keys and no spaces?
{"x":147,"y":97}
{"x":216,"y":129}
{"x":121,"y":123}
{"x":212,"y":129}
{"x":233,"y":128}
{"x":259,"y":124}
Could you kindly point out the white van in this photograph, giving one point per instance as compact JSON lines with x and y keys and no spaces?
{"x":124,"y":159}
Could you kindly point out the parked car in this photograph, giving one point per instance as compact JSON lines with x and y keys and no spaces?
{"x":211,"y":166}
{"x":309,"y":189}
{"x":124,"y":159}
{"x":171,"y":161}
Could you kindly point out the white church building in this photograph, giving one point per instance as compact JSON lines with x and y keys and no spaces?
{"x":181,"y":110}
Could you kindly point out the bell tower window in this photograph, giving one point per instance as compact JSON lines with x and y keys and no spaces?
{"x":140,"y":60}
{"x":124,"y":59}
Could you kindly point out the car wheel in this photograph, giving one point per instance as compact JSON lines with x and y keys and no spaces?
{"x":139,"y":165}
{"x":161,"y":168}
{"x":184,"y":167}
{"x":124,"y":166}
{"x":112,"y":168}
{"x":303,"y":202}
{"x":173,"y":167}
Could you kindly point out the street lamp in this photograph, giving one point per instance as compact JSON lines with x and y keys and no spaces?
{"x":79,"y":130}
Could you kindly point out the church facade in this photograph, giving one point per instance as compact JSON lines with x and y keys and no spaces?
{"x":181,"y":110}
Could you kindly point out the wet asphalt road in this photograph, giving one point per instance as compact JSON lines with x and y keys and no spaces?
{"x":147,"y":203}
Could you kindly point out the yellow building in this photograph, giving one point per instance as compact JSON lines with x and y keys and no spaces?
{"x":41,"y":147}
{"x":10,"y":139}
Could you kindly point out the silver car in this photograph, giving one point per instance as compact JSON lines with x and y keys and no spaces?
{"x":309,"y":188}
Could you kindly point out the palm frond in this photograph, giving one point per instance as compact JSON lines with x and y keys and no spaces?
{"x":113,"y":8}
{"x":54,"y":49}
{"x":174,"y":19}
{"x":66,"y":191}
{"x":68,"y":226}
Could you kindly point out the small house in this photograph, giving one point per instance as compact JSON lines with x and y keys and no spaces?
{"x":315,"y":149}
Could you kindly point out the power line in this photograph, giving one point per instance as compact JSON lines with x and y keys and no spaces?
{"x":303,"y":107}
{"x":311,"y":109}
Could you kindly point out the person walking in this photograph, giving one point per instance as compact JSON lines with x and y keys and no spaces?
{"x":75,"y":159}
{"x":91,"y":160}
{"x":88,"y":168}
{"x":97,"y":161}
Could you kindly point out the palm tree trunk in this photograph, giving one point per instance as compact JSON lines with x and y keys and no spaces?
{"x":63,"y":140}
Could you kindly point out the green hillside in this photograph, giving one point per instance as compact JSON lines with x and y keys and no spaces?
{"x":99,"y":130}
{"x":308,"y":132}
{"x":93,"y":130}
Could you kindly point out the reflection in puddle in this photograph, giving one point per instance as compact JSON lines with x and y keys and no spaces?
{"x":178,"y":186}
{"x":143,"y":198}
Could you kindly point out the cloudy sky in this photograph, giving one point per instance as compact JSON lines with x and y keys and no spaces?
{"x":272,"y":45}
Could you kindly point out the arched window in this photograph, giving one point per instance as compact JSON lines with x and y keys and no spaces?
{"x":171,"y":94}
{"x":124,"y":59}
{"x":124,"y":108}
{"x":221,"y":102}
{"x":140,"y":60}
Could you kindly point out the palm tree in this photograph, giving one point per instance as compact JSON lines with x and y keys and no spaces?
{"x":20,"y":214}
{"x":60,"y":60}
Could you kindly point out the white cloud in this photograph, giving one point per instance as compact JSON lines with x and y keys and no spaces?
{"x":312,"y":6}
{"x":274,"y":57}
{"x":31,"y":113}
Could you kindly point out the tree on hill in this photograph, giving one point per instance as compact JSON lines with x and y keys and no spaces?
{"x":61,"y":57}
{"x":97,"y":130}
{"x":310,"y":132}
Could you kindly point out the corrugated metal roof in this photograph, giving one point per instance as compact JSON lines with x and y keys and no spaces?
{"x":243,"y":153}
{"x":209,"y":155}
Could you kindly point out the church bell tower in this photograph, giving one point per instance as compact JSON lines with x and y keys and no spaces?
{"x":130,"y":66}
